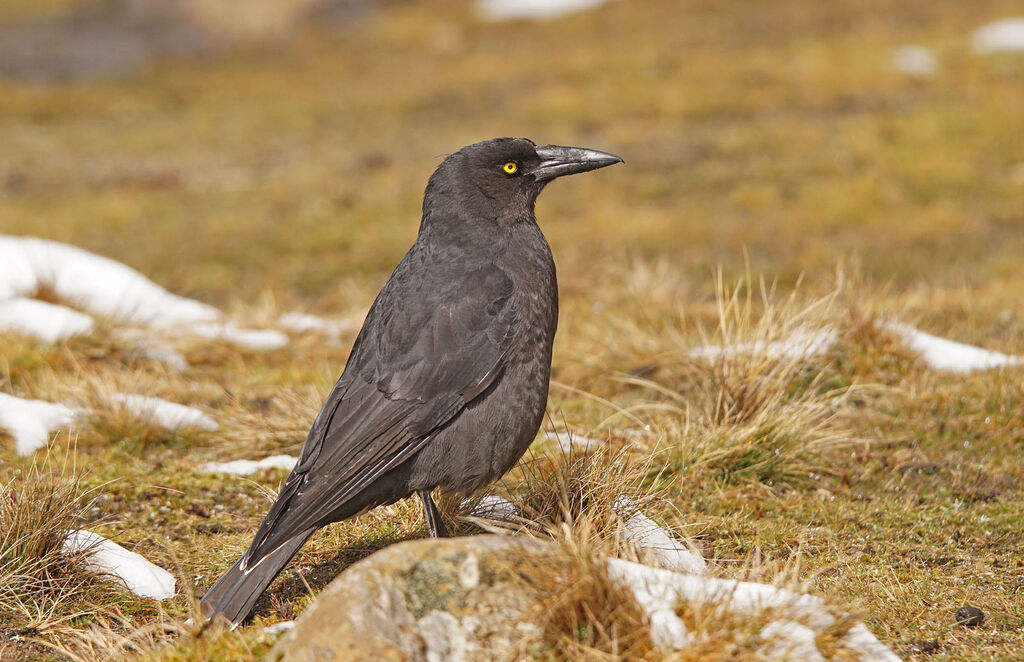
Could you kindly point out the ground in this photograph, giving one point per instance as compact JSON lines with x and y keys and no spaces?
{"x":762,"y":141}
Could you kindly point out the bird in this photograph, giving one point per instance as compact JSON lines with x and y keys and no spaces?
{"x":446,"y":384}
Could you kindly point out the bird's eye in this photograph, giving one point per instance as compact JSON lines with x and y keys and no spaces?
{"x":510,"y":168}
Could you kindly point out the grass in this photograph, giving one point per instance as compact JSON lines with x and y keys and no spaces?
{"x":753,"y":405}
{"x":42,"y":588}
{"x":765,"y":145}
{"x":594,"y":618}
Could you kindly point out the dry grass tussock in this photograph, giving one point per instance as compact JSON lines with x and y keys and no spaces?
{"x":42,"y":588}
{"x":579,"y":499}
{"x":590,"y":616}
{"x":576,"y":499}
{"x":751,"y":402}
{"x":167,"y":640}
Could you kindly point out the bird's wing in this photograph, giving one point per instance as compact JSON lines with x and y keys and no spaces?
{"x":429,"y":346}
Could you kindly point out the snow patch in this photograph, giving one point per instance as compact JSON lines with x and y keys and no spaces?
{"x":633,"y":433}
{"x":46,"y":321}
{"x":247,"y":467}
{"x":859,"y":638}
{"x":658,"y":591}
{"x":569,"y":442}
{"x":789,"y":640}
{"x":643,"y":532}
{"x":938,"y":353}
{"x":657,"y":596}
{"x":503,"y":10}
{"x":494,"y":507}
{"x":1006,"y":36}
{"x":251,"y":338}
{"x":139,"y":575}
{"x":305,"y":323}
{"x":800,"y":345}
{"x":943,"y":354}
{"x":97,"y":284}
{"x":166,"y":414}
{"x":278,"y":628}
{"x":915,"y":61}
{"x":165,"y":354}
{"x":103,"y":287}
{"x":30,"y":421}
{"x":153,"y":348}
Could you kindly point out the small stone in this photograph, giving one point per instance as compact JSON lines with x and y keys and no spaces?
{"x":969,"y":616}
{"x":924,"y":646}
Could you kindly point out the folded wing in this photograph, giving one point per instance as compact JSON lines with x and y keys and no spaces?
{"x":428,"y":348}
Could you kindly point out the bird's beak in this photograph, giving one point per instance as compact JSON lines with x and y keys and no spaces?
{"x":556,"y":161}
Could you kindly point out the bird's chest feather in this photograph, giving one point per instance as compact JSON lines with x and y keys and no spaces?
{"x":528,"y":262}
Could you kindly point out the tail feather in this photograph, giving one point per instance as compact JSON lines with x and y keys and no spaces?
{"x":236,"y":592}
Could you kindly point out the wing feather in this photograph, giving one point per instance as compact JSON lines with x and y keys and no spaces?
{"x":429,"y":346}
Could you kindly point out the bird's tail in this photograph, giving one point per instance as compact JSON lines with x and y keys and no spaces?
{"x":236,"y":592}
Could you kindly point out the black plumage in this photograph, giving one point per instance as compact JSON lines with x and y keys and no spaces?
{"x":447,"y":382}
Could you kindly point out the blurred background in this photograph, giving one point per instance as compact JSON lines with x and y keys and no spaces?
{"x":229,"y":148}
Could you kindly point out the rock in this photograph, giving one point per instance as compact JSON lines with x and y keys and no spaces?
{"x":456,"y":599}
{"x":969,"y":616}
{"x":924,"y":647}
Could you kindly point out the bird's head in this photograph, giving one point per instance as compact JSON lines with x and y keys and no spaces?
{"x":502,"y":177}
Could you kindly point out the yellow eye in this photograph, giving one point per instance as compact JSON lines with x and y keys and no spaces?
{"x":510,"y":167}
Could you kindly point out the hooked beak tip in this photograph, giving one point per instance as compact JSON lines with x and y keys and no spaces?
{"x":557,"y":161}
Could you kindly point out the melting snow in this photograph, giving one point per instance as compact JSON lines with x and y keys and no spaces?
{"x":251,"y":338}
{"x":46,"y":321}
{"x":943,"y":354}
{"x":1000,"y":36}
{"x":166,"y":414}
{"x":501,"y":10}
{"x":643,"y":532}
{"x":496,"y":508}
{"x":938,"y":353}
{"x":859,"y":638}
{"x":915,"y":61}
{"x":139,"y":575}
{"x":568,"y":441}
{"x":30,"y":421}
{"x":801,"y":344}
{"x":247,"y":467}
{"x":304,"y":322}
{"x":165,"y":354}
{"x":789,"y":640}
{"x":278,"y":628}
{"x":97,"y":284}
{"x":153,"y":348}
{"x":658,"y":596}
{"x":103,"y":287}
{"x":658,"y":591}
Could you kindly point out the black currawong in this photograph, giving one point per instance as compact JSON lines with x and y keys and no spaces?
{"x":447,"y":382}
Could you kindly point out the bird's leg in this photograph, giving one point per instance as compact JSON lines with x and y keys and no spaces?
{"x":434,"y":523}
